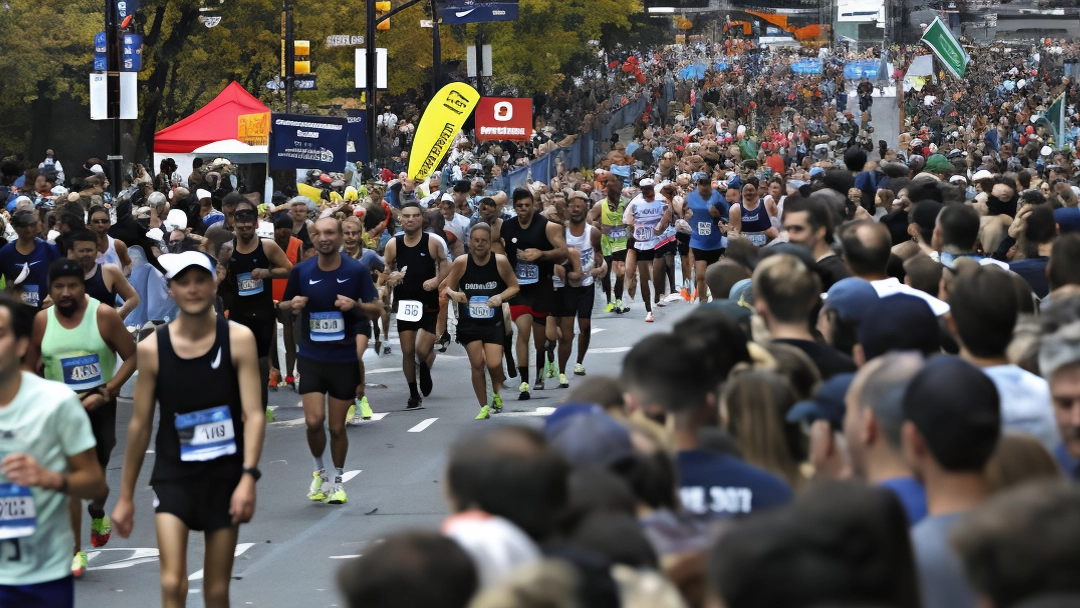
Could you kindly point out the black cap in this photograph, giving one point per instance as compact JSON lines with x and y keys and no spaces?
{"x":23,"y":219}
{"x":899,"y":322}
{"x":64,"y":267}
{"x":462,"y":186}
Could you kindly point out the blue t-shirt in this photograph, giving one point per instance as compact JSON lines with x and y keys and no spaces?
{"x":704,"y":233}
{"x":214,"y":217}
{"x":372,"y":260}
{"x":35,"y":287}
{"x":912,"y":496}
{"x":1034,"y":272}
{"x":326,"y":333}
{"x":717,"y":486}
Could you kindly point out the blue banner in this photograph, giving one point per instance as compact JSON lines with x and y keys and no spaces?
{"x":807,"y":66}
{"x":694,"y":71}
{"x":299,"y":141}
{"x":861,"y":68}
{"x":126,"y":7}
{"x":100,"y":48}
{"x":131,"y":53}
{"x":358,"y":148}
{"x":456,"y":12}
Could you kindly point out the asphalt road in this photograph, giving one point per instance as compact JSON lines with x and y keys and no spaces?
{"x":291,"y":551}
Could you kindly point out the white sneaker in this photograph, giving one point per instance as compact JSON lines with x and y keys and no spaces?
{"x":674,"y":297}
{"x":649,"y":318}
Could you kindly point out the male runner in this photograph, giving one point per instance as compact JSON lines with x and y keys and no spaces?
{"x":103,"y":281}
{"x":649,"y":217}
{"x":578,"y":299}
{"x":109,"y":250}
{"x":78,"y":340}
{"x":48,"y":449}
{"x":705,"y":211}
{"x":203,"y":371}
{"x":750,"y":218}
{"x":420,"y":264}
{"x":533,"y":246}
{"x":247,"y":294}
{"x":25,"y":262}
{"x":487,"y":280}
{"x":335,"y":297}
{"x":607,"y":217}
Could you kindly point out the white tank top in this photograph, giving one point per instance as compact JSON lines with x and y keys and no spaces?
{"x":584,"y":245}
{"x":646,"y":216}
{"x":110,"y":256}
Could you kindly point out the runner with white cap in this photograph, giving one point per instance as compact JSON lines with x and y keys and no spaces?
{"x":649,"y":217}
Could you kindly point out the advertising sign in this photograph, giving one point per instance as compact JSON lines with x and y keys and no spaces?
{"x":131,"y":53}
{"x":299,"y":141}
{"x":502,"y":118}
{"x":357,"y":151}
{"x":455,"y":12}
{"x":253,"y":129}
{"x":442,"y":120}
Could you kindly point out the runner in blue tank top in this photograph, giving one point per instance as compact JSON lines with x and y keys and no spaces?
{"x":749,"y":218}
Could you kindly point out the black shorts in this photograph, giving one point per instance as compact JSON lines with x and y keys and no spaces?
{"x":202,"y":504}
{"x":334,"y":378}
{"x":618,"y":256}
{"x":709,"y":256}
{"x":265,"y":331}
{"x":645,"y":255}
{"x":426,"y":323}
{"x":683,"y":242}
{"x":103,"y":424}
{"x":488,"y":334}
{"x":537,"y":297}
{"x":666,"y":248}
{"x":578,"y":301}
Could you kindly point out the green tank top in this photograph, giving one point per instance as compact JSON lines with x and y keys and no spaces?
{"x":78,"y":357}
{"x":616,"y":240}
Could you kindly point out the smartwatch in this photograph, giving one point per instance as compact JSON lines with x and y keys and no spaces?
{"x":254,"y":472}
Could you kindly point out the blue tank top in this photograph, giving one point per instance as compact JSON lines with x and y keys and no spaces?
{"x":755,"y":222}
{"x":704,"y":233}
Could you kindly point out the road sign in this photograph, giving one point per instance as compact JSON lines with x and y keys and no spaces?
{"x":131,"y":53}
{"x":304,"y":82}
{"x":100,"y":47}
{"x":343,"y":40}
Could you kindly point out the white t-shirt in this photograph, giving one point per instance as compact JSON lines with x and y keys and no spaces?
{"x":1025,"y":404}
{"x":47,"y":421}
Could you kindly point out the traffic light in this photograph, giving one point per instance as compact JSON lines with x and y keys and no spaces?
{"x":301,"y":57}
{"x":381,"y":8}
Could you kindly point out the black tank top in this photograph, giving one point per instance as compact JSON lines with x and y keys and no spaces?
{"x":516,"y":238}
{"x":251,"y":298}
{"x":200,"y":406}
{"x":421,"y":268}
{"x":480,"y":283}
{"x":95,"y":288}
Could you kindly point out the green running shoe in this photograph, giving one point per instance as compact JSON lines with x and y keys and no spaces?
{"x":563,"y":381}
{"x":78,"y":564}
{"x":100,"y":531}
{"x":550,"y":368}
{"x":351,"y":414}
{"x":579,"y":370}
{"x":496,"y":404}
{"x":523,"y":391}
{"x":365,"y":409}
{"x":485,"y":413}
{"x":610,"y":307}
{"x":336,"y":496}
{"x":316,"y":490}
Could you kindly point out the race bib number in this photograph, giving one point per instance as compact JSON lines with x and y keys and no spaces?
{"x":410,"y":310}
{"x":31,"y":295}
{"x":756,"y":238}
{"x":527,"y":274}
{"x":206,"y":434}
{"x":81,"y":371}
{"x":478,"y":308}
{"x":704,"y":228}
{"x":18,"y":516}
{"x":617,"y":233}
{"x":643,"y":233}
{"x":247,"y":286}
{"x":327,"y":326}
{"x":556,"y":281}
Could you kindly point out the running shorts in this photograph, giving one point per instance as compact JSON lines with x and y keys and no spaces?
{"x":52,"y":594}
{"x":683,"y":241}
{"x":666,"y":248}
{"x":709,"y":256}
{"x":578,"y":301}
{"x":645,"y":255}
{"x":426,"y":322}
{"x":265,"y":331}
{"x":103,"y":424}
{"x":336,"y":379}
{"x":202,"y":504}
{"x":618,"y":256}
{"x":488,"y":334}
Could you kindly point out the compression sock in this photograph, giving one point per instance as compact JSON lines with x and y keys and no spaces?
{"x":339,"y":472}
{"x":524,"y":373}
{"x":319,"y":466}
{"x":618,"y":287}
{"x":413,"y":391}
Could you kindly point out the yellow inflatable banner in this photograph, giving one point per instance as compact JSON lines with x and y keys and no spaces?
{"x":443,"y":118}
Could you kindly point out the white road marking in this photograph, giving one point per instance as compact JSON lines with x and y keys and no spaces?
{"x":615,"y":349}
{"x":240,"y":548}
{"x":423,"y":425}
{"x":347,"y":475}
{"x":540,"y":411}
{"x":300,"y":421}
{"x":344,"y":556}
{"x":596,"y":330}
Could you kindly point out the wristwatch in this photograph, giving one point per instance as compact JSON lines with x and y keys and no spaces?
{"x":254,"y":472}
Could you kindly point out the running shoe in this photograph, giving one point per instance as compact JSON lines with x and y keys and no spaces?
{"x":684,"y":293}
{"x":378,"y":345}
{"x":610,"y":307}
{"x":496,"y":404}
{"x":336,"y":495}
{"x":275,"y":379}
{"x":523,"y":391}
{"x":551,"y":371}
{"x":425,"y":379}
{"x":579,"y":370}
{"x":674,"y":297}
{"x":100,"y":531}
{"x":649,"y":318}
{"x":539,"y":384}
{"x":618,"y":307}
{"x":661,"y":303}
{"x":365,"y":409}
{"x":444,"y":341}
{"x":78,"y":564}
{"x":485,"y":413}
{"x":386,"y":349}
{"x":290,"y":382}
{"x":414,"y":402}
{"x":350,"y":416}
{"x":316,"y":490}
{"x":563,"y":381}
{"x":269,"y":415}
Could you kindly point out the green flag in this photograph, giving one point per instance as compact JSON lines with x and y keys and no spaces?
{"x":1055,"y":115}
{"x":946,"y":47}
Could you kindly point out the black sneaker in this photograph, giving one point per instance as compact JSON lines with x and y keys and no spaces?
{"x":414,"y":402}
{"x":444,"y":341}
{"x":425,"y":379}
{"x":539,"y":384}
{"x":386,"y":349}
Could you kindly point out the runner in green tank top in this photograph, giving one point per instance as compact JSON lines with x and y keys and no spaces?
{"x":606,"y":216}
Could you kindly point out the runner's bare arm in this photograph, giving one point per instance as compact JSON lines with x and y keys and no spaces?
{"x":117,"y":338}
{"x":245,"y":359}
{"x":598,"y":254}
{"x":438,"y":253}
{"x":735,"y":217}
{"x":457,"y":270}
{"x":139,"y":431}
{"x":280,"y":266}
{"x":556,"y":235}
{"x":497,"y":245}
{"x":665,"y":220}
{"x":506,"y":271}
{"x":124,"y":289}
{"x":122,"y":253}
{"x":32,"y":360}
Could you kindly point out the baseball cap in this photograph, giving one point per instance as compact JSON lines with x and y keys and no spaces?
{"x":23,"y":219}
{"x":958,"y":179}
{"x":64,"y":267}
{"x":851,"y":298}
{"x":175,"y":263}
{"x":646,"y":183}
{"x":447,"y":197}
{"x":827,"y":404}
{"x":957,"y":410}
{"x":585,"y":434}
{"x":578,"y":194}
{"x":462,"y":186}
{"x":1068,"y":219}
{"x":201,"y":194}
{"x":938,"y":164}
{"x":817,"y":172}
{"x":981,"y":175}
{"x":176,"y":220}
{"x":899,"y":322}
{"x":97,"y":170}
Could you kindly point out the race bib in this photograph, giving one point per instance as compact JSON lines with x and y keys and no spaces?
{"x":756,"y":238}
{"x":617,"y":233}
{"x":410,"y":310}
{"x":527,"y":274}
{"x":31,"y":295}
{"x":556,"y":281}
{"x":206,"y":434}
{"x":478,"y":308}
{"x":327,"y":326}
{"x":643,"y":233}
{"x":247,"y":286}
{"x":81,"y":371}
{"x":18,"y":516}
{"x":704,"y":228}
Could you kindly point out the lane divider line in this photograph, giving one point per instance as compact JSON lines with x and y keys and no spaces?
{"x":423,"y":425}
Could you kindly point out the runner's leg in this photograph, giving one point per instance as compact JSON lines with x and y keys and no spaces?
{"x":172,"y":540}
{"x":218,"y":565}
{"x":475,"y":350}
{"x":524,"y":325}
{"x":620,"y":272}
{"x":566,"y":344}
{"x":644,"y":268}
{"x":75,"y":516}
{"x":425,"y":347}
{"x":700,"y":267}
{"x":657,"y":271}
{"x":631,"y":272}
{"x":584,"y":337}
{"x":314,"y":418}
{"x":339,"y":439}
{"x":606,"y":279}
{"x":289,"y":338}
{"x":493,"y":353}
{"x":361,"y":348}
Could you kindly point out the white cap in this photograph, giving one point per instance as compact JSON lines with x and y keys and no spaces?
{"x":97,"y":170}
{"x":155,"y":198}
{"x":981,"y":175}
{"x":447,"y":197}
{"x":22,"y":199}
{"x":58,"y":191}
{"x":201,"y":194}
{"x":958,"y":179}
{"x":155,"y":234}
{"x":646,"y":183}
{"x":175,"y":263}
{"x":176,"y":220}
{"x":1046,"y":151}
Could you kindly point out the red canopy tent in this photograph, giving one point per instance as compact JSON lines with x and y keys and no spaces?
{"x":213,"y":122}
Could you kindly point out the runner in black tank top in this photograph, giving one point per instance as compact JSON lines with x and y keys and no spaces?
{"x":95,"y":288}
{"x":82,"y":247}
{"x":416,"y":297}
{"x":485,"y":279}
{"x":533,"y":246}
{"x":202,"y":370}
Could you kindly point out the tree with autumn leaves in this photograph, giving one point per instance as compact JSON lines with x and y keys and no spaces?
{"x":47,"y":53}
